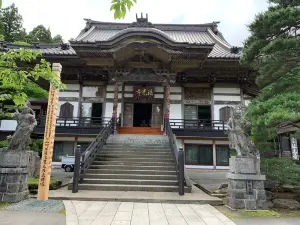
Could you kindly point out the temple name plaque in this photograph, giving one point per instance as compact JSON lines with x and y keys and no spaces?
{"x":143,"y":93}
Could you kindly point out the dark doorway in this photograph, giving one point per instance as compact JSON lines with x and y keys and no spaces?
{"x":96,"y":113}
{"x":142,"y":115}
{"x":204,"y":112}
{"x":204,"y":116}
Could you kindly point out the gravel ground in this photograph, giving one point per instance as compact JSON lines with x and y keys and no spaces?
{"x":50,"y":206}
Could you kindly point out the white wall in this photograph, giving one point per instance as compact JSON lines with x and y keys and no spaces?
{"x":69,"y":94}
{"x":72,"y":87}
{"x":175,"y":111}
{"x":8,"y":125}
{"x":109,"y":109}
{"x":230,"y":89}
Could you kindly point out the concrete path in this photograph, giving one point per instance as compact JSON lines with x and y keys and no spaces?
{"x":30,"y":218}
{"x":128,"y":213}
{"x":210,"y":180}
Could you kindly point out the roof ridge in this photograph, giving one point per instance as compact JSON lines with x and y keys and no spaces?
{"x":219,"y":40}
{"x":83,"y":35}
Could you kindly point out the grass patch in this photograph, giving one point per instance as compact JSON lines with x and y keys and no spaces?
{"x":33,"y":183}
{"x":258,"y":213}
{"x":63,"y":212}
{"x":3,"y":205}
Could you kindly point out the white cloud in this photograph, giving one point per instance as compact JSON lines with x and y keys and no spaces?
{"x":65,"y":17}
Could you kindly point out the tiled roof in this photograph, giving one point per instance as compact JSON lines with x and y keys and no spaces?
{"x":99,"y":31}
{"x":201,"y":34}
{"x":46,"y":49}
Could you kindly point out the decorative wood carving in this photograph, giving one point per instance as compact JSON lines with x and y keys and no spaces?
{"x":142,"y":22}
{"x":69,"y":99}
{"x":92,"y":99}
{"x":175,"y":101}
{"x":197,"y":95}
{"x":227,"y":102}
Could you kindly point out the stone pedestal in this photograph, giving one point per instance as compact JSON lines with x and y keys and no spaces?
{"x":246,"y":184}
{"x":13,"y":176}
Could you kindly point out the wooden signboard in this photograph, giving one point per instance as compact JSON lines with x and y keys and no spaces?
{"x":49,"y":134}
{"x":143,"y":93}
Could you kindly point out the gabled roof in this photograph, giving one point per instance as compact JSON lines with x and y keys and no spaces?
{"x":45,"y":49}
{"x":201,"y":34}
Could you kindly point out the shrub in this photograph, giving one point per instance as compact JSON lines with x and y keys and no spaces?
{"x":37,"y":146}
{"x":280,"y":172}
{"x":33,"y":183}
{"x":3,"y":144}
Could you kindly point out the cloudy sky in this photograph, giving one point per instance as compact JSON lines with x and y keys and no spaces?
{"x":65,"y":17}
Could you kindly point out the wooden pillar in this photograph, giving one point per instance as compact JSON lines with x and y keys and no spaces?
{"x":45,"y":171}
{"x":115,"y":107}
{"x":167,"y":104}
{"x":167,"y":101}
{"x":214,"y":155}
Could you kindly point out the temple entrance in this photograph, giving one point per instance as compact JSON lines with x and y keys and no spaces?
{"x":96,"y":113}
{"x":142,"y":114}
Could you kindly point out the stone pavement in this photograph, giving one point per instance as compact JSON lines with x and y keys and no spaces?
{"x":128,"y":213}
{"x":31,"y":218}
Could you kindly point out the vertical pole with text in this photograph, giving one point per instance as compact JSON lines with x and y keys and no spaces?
{"x":49,"y":134}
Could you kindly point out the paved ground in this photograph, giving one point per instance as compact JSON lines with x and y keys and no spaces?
{"x":31,"y":218}
{"x":210,"y":180}
{"x":195,"y":197}
{"x":128,"y":213}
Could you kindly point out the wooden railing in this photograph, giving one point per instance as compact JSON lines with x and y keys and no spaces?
{"x":84,"y":160}
{"x":77,"y":122}
{"x":178,"y":155}
{"x":205,"y":125}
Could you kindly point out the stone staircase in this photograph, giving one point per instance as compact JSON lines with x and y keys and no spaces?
{"x":133,"y":163}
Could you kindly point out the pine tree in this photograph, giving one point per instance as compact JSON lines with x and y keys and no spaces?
{"x":273,"y":50}
{"x":11,"y":23}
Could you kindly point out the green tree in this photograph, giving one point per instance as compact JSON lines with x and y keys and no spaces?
{"x":57,"y":39}
{"x":120,"y":7}
{"x":18,"y":68}
{"x":273,"y":50}
{"x":11,"y":23}
{"x":40,"y":34}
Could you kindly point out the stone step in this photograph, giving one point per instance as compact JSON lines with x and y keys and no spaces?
{"x":146,"y":163}
{"x":139,"y":153}
{"x":120,"y":187}
{"x":132,"y":182}
{"x":138,"y":148}
{"x":110,"y":159}
{"x":134,"y":156}
{"x":134,"y":167}
{"x":122,"y":171}
{"x":110,"y":142}
{"x":130,"y":176}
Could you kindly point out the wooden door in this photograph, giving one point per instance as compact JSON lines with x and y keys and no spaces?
{"x":157,"y":114}
{"x":128,"y":115}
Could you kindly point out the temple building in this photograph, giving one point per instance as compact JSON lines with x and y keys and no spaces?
{"x":142,"y":73}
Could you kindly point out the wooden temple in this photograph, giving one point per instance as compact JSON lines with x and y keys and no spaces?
{"x":143,"y":73}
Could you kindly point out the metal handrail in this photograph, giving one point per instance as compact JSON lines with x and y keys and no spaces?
{"x":199,"y":124}
{"x":178,"y":156}
{"x":76,"y":122}
{"x":84,"y":160}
